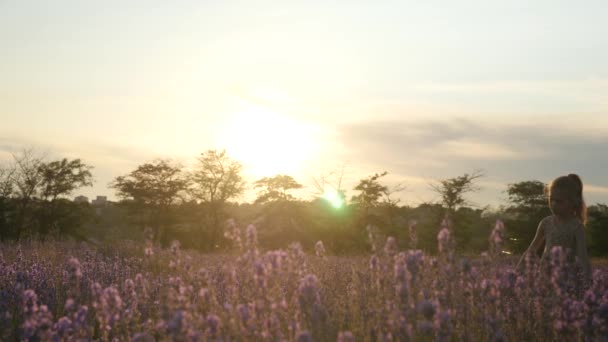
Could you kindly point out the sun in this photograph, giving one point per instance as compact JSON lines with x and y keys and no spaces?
{"x":268,"y":143}
{"x":334,"y":198}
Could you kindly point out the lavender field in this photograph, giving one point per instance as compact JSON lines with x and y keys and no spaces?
{"x":60,"y":291}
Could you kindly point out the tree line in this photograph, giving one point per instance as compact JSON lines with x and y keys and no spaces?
{"x":195,"y":206}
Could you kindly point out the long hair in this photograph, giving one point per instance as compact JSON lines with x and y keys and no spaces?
{"x":573,"y":185}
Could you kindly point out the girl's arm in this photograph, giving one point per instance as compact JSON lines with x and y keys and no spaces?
{"x":537,"y":243}
{"x":581,"y":252}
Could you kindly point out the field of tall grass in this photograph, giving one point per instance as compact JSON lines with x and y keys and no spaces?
{"x":65,"y":291}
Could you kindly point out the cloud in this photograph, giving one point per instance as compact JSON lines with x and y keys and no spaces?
{"x":506,"y":152}
{"x":560,"y":86}
{"x":434,"y":143}
{"x":115,"y":153}
{"x":475,"y":149}
{"x":592,"y":91}
{"x":596,"y":189}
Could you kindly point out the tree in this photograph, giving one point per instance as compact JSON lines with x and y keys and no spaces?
{"x":215,"y":180}
{"x":370,"y":191}
{"x":57,"y":179}
{"x":275,"y":188}
{"x":391,"y":205}
{"x":281,"y":214}
{"x":32,"y":195}
{"x":598,"y":229}
{"x":528,"y":205}
{"x":452,"y":190}
{"x":375,"y":205}
{"x":6,"y":181}
{"x":526,"y":197}
{"x":61,"y":177}
{"x":26,"y":182}
{"x":153,"y":187}
{"x":6,"y":190}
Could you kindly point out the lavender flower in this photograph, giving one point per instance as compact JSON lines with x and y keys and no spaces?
{"x":374,"y":263}
{"x":426,"y":327}
{"x":346,"y":336}
{"x":251,"y":237}
{"x":63,"y":327}
{"x":143,"y":337}
{"x":402,"y":279}
{"x":320,"y":249}
{"x":496,"y":238}
{"x":304,"y":336}
{"x":444,"y":240}
{"x":213,"y":323}
{"x":428,"y":309}
{"x":74,"y":270}
{"x":308,"y":291}
{"x":413,"y":234}
{"x":175,"y":247}
{"x":414,"y":261}
{"x":390,"y":248}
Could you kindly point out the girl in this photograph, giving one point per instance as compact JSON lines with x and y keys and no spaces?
{"x":565,"y":228}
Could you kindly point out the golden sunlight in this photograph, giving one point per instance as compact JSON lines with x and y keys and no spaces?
{"x":268,"y":143}
{"x":334,"y":198}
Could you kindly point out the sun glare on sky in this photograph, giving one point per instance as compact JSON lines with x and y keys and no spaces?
{"x":334,"y":198}
{"x":267,"y":142}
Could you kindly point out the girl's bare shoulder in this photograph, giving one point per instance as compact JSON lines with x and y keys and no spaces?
{"x":546,"y":221}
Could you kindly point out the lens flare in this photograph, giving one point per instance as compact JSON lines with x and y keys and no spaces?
{"x":334,"y":198}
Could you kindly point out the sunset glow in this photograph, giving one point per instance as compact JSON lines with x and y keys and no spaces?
{"x":334,"y":198}
{"x":268,"y":142}
{"x":299,"y":87}
{"x":303,"y":170}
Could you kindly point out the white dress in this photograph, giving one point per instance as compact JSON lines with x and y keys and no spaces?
{"x":570,"y":235}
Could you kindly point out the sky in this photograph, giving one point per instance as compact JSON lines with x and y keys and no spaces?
{"x":423,"y":90}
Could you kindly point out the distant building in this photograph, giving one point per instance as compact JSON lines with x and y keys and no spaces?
{"x":100,"y":201}
{"x":81,"y":199}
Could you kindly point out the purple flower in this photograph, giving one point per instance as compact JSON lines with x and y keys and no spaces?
{"x":413,"y":234}
{"x":308,"y":290}
{"x":414,"y":261}
{"x":496,"y":238}
{"x":402,"y":278}
{"x":444,"y":325}
{"x":346,"y":336}
{"x":148,"y":233}
{"x":304,"y":336}
{"x":38,"y":320}
{"x":390,"y":248}
{"x":213,"y":324}
{"x":570,"y":316}
{"x":427,"y":309}
{"x":63,"y":327}
{"x":276,"y":259}
{"x":320,"y":249}
{"x":426,"y":327}
{"x":178,"y":323}
{"x":143,"y":337}
{"x":244,"y":313}
{"x":175,"y":247}
{"x":259,"y":273}
{"x":444,"y":240}
{"x":251,"y":237}
{"x":374,"y":263}
{"x":74,"y":269}
{"x":30,"y":302}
